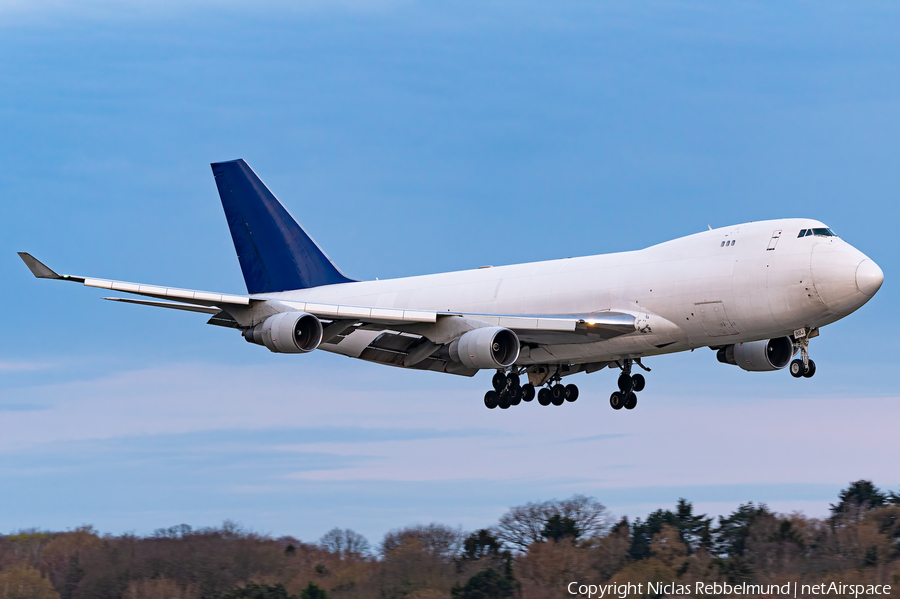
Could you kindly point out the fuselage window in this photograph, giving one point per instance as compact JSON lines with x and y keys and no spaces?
{"x":732,"y":241}
{"x":723,"y":245}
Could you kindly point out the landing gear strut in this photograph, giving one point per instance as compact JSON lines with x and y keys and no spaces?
{"x":802,"y":366}
{"x":629,"y":386}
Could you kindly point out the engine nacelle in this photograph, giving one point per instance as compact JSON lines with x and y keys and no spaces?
{"x":759,"y":356}
{"x":487,"y":347}
{"x":287,"y":333}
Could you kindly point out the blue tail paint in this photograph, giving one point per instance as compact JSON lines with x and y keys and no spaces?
{"x":275,"y":252}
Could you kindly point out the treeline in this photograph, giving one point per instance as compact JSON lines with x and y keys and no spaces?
{"x":533,"y":552}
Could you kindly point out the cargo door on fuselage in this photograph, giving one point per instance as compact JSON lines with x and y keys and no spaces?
{"x":714,"y":319}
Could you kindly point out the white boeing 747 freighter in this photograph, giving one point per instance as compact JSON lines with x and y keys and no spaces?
{"x":756,"y":293}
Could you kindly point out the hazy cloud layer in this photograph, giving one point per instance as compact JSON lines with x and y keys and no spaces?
{"x":178,"y":438}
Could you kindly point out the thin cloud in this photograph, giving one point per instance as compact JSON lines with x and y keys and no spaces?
{"x":17,"y":366}
{"x":130,"y":9}
{"x":602,"y":437}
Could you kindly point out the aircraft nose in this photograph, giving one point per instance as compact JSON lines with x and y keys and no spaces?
{"x":869,"y":277}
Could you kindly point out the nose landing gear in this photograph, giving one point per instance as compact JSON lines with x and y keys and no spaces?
{"x":802,"y":366}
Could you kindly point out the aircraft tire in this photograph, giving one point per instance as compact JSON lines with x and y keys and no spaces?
{"x":811,"y":370}
{"x":527,"y":392}
{"x":512,"y":380}
{"x":626,"y":383}
{"x":499,"y":381}
{"x":617,"y":400}
{"x":515,"y":395}
{"x":638,"y":383}
{"x":544,"y":397}
{"x":571,"y":392}
{"x":503,"y":402}
{"x":490,"y":399}
{"x":558,"y":394}
{"x":797,"y":369}
{"x":631,"y":401}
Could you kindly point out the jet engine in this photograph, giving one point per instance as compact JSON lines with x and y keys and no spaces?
{"x":487,"y":347}
{"x":287,"y":333}
{"x":759,"y":356}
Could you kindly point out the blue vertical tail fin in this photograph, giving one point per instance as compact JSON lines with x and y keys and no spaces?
{"x":275,"y":252}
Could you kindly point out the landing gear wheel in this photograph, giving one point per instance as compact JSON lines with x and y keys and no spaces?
{"x":490,"y":399}
{"x":625,"y":383}
{"x":638,"y":383}
{"x":809,"y":371}
{"x":544,"y":397}
{"x":527,"y":392}
{"x":513,"y":380}
{"x":631,"y":401}
{"x":617,"y":400}
{"x":515,"y":395}
{"x":499,"y":381}
{"x":571,"y":392}
{"x":797,"y":369}
{"x":558,"y":394}
{"x":503,"y":402}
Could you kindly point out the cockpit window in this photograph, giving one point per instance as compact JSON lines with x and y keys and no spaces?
{"x":817,"y":232}
{"x":823,"y":233}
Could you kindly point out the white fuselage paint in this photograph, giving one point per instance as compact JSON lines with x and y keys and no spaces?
{"x":689,"y":292}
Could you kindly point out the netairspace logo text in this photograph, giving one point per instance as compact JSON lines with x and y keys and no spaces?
{"x":723,"y":588}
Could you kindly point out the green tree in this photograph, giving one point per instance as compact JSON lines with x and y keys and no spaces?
{"x":265,"y":591}
{"x":313,"y":591}
{"x":481,"y":543}
{"x":693,"y":530}
{"x":859,"y":497}
{"x":559,"y":527}
{"x":487,"y":584}
{"x":732,"y":532}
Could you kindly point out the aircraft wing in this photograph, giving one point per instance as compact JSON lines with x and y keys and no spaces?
{"x":391,"y":336}
{"x":562,"y":328}
{"x":185,"y":296}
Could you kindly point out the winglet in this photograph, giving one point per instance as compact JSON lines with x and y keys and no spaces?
{"x":38,"y":268}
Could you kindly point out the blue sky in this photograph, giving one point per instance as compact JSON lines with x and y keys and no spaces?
{"x":413,"y":137}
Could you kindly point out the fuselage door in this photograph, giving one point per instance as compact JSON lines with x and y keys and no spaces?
{"x":774,"y":241}
{"x":714,"y":320}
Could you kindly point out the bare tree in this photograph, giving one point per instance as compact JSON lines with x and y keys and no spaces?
{"x":345,"y":542}
{"x":526,"y":524}
{"x":439,"y":540}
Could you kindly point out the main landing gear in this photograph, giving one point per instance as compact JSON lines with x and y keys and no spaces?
{"x":508,"y":392}
{"x":629,"y":386}
{"x":802,"y":366}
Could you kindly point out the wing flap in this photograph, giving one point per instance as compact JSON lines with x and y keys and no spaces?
{"x":170,"y":305}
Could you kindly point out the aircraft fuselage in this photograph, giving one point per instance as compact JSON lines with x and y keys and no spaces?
{"x":729,"y":285}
